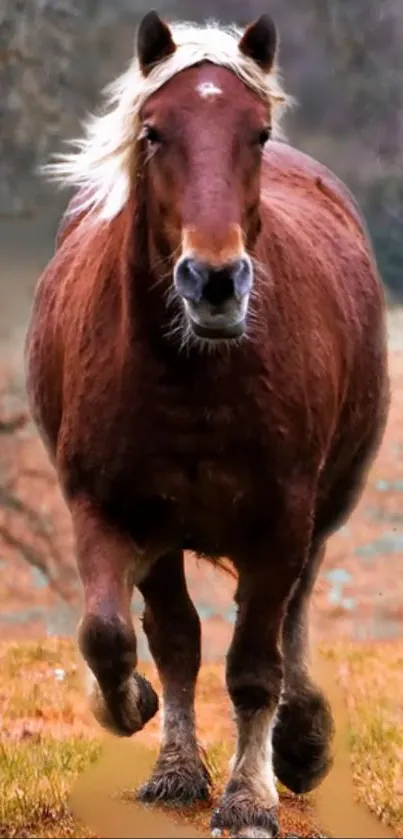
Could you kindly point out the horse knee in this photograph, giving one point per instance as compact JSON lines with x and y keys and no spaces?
{"x":254,"y":688}
{"x":302,"y":739}
{"x":249,"y":697}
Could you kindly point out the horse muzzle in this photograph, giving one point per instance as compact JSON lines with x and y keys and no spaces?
{"x":215,"y":299}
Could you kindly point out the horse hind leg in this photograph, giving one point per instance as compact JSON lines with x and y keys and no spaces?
{"x":304,"y":730}
{"x":172,"y":626}
{"x":121,"y":700}
{"x":303,"y":735}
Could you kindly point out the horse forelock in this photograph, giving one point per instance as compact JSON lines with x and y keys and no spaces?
{"x":104,"y":166}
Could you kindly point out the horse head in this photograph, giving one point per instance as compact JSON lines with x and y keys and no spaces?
{"x":203,"y":134}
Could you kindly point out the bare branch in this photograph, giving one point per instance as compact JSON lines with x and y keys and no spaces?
{"x":23,"y":527}
{"x":36,"y":560}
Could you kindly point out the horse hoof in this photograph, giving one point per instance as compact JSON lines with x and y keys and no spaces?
{"x":240,"y":816}
{"x":126,"y":710}
{"x":302,"y":740}
{"x":176,"y":781}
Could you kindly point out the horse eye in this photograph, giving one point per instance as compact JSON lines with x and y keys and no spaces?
{"x":264,"y":136}
{"x":151,"y":134}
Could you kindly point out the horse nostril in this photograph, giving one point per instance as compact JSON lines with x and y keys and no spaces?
{"x":189,"y":278}
{"x":243,"y":277}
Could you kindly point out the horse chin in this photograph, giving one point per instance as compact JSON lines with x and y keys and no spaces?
{"x":219,"y":333}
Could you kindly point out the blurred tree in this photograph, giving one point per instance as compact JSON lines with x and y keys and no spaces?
{"x":24,"y":529}
{"x":364,"y":47}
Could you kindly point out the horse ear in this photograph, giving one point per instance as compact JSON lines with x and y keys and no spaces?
{"x":154,"y":41}
{"x":259,"y":41}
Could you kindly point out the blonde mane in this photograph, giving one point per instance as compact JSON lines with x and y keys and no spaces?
{"x":103,"y":163}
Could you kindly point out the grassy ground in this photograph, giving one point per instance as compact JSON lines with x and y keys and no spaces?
{"x":371,"y":680}
{"x":48,"y":740}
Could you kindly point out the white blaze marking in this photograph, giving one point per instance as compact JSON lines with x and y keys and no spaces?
{"x":207,"y":89}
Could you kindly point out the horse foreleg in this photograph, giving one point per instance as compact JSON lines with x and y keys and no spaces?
{"x":121,"y":700}
{"x":255,"y":680}
{"x":172,"y":626}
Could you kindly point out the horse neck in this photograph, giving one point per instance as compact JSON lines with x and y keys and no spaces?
{"x":147,"y":279}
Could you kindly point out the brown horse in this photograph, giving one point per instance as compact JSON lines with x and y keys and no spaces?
{"x":206,"y":363}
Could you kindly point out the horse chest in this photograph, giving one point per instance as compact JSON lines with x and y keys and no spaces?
{"x":206,"y":504}
{"x":209,"y":470}
{"x":192,"y":472}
